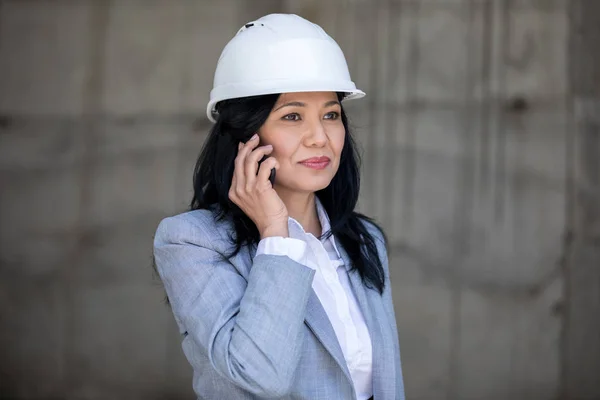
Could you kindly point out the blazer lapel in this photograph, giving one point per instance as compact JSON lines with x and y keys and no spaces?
{"x":318,"y":322}
{"x":316,"y":319}
{"x":370,"y":303}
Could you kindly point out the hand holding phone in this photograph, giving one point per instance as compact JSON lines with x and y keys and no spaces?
{"x":252,"y":188}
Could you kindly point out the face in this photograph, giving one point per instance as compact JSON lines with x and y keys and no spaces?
{"x":307,"y":135}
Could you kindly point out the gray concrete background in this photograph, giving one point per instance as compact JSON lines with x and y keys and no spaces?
{"x":481,"y":149}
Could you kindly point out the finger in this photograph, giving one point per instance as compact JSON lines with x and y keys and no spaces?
{"x":249,"y":145}
{"x":243,"y":151}
{"x":238,"y":173}
{"x":264,"y":171}
{"x":233,"y":182}
{"x":257,"y":154}
{"x":252,"y":160}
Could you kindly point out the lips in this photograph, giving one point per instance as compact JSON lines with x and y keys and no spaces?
{"x":316,"y":162}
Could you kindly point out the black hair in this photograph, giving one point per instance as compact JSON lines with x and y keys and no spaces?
{"x":237,"y":121}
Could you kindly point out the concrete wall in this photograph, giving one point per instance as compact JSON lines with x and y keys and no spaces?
{"x":582,"y":275}
{"x":467,"y":139}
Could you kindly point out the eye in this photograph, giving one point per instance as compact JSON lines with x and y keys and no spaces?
{"x":332,"y":115}
{"x":291,"y":117}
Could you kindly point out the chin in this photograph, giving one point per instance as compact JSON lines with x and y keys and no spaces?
{"x":305,"y":181}
{"x":313,"y":184}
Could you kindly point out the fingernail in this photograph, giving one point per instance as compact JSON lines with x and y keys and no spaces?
{"x":254,"y":137}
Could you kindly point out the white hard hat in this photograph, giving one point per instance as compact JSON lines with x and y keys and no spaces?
{"x":280,"y":53}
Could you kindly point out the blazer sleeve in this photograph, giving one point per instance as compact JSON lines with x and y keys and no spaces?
{"x":389,"y":307}
{"x":251,"y":330}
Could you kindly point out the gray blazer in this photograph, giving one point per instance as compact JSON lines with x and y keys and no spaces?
{"x":255,"y":329}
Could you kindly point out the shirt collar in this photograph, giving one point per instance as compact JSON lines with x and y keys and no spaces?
{"x":297,"y":229}
{"x":323,"y":219}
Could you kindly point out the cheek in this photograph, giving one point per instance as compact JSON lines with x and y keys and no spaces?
{"x":337,"y":138}
{"x":283,"y":152}
{"x":282,"y":147}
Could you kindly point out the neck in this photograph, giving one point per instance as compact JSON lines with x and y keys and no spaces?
{"x":302,"y":207}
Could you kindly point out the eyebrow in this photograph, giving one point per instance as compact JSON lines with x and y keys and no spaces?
{"x":300,"y":104}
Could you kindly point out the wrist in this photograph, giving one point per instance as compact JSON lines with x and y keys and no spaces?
{"x":274,"y":231}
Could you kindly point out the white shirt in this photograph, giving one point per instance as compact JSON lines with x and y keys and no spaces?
{"x":332,"y":286}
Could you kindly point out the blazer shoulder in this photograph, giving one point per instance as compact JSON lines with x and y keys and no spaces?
{"x":192,"y":227}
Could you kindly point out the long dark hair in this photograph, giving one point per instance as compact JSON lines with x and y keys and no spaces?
{"x":238,"y":120}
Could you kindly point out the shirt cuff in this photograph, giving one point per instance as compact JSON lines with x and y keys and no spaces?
{"x":295,"y":249}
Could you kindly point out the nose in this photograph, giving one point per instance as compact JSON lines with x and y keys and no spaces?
{"x":317,"y":135}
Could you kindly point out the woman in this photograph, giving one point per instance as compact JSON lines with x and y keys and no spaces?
{"x":279,"y":288}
